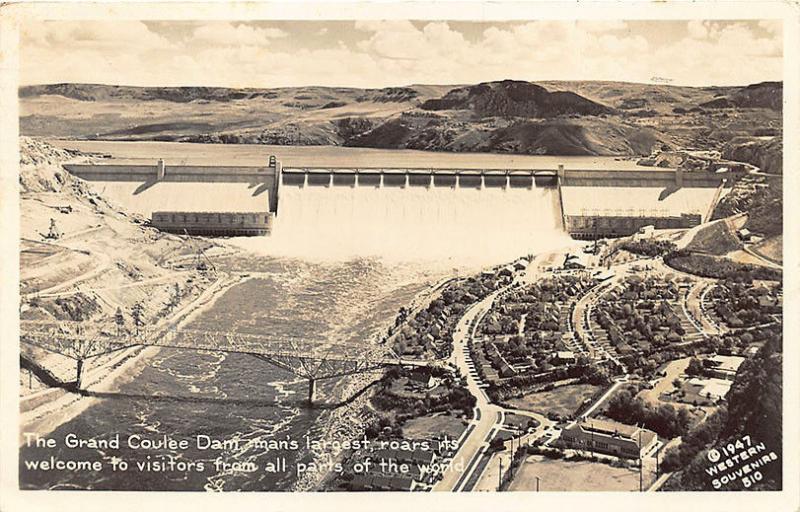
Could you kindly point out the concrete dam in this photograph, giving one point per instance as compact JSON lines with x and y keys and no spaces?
{"x":421,"y":203}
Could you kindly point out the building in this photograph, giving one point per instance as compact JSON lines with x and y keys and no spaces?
{"x":608,"y":437}
{"x":214,"y":223}
{"x":596,"y":225}
{"x":564,"y":357}
{"x":521,"y":264}
{"x":713,"y":389}
{"x":724,"y":367}
{"x":422,"y":379}
{"x":645,"y":232}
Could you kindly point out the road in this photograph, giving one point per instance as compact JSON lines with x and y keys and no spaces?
{"x":486,"y":414}
{"x":466,"y":459}
{"x":582,"y":311}
{"x":694,"y":306}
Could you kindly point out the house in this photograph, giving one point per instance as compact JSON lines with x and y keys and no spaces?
{"x":745,"y":234}
{"x":508,"y":270}
{"x":724,"y":367}
{"x":422,"y":379}
{"x":608,"y":437}
{"x":602,"y":275}
{"x":506,"y":370}
{"x":521,"y":264}
{"x":770,"y":304}
{"x":564,"y":357}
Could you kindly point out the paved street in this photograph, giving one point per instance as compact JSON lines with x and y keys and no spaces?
{"x":472,"y":447}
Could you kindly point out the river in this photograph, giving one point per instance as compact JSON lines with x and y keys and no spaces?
{"x":184,"y":393}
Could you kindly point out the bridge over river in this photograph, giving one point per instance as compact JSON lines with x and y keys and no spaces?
{"x":309,"y":359}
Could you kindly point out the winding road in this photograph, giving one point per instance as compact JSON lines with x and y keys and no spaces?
{"x":488,"y":416}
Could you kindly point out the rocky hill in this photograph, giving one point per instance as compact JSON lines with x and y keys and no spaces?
{"x":763,"y":95}
{"x":512,"y":98}
{"x":766,"y":153}
{"x":564,"y":118}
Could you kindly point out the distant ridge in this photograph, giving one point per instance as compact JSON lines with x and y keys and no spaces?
{"x":507,"y":116}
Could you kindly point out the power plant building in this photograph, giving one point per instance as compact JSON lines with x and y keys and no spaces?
{"x":214,"y":223}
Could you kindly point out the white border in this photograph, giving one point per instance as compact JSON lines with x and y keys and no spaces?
{"x":11,"y":499}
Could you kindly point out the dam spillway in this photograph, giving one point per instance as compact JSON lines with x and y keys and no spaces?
{"x":247,"y":200}
{"x":378,"y":177}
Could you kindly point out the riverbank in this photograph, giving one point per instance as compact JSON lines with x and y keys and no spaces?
{"x":46,"y":410}
{"x":349,"y":421}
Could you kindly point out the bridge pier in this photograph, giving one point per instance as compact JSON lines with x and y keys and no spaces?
{"x":508,"y":181}
{"x":405,"y":183}
{"x":305,"y":179}
{"x":430,"y":183}
{"x":312,"y":391}
{"x":78,"y":373}
{"x":483,"y":181}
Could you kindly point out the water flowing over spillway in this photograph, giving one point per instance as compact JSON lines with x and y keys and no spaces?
{"x":465,"y":225}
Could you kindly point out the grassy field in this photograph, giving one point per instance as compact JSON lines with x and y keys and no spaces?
{"x":771,"y":248}
{"x":715,"y":238}
{"x":426,"y":427}
{"x":559,"y":475}
{"x":563,"y":400}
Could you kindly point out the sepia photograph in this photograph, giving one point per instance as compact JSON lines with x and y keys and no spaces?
{"x":449,"y":255}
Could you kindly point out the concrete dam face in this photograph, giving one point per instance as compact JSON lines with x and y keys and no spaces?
{"x":436,"y":213}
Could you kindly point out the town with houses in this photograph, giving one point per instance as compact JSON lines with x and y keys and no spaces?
{"x":599,"y":361}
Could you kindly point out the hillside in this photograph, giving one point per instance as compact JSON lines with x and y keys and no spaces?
{"x":754,"y":409}
{"x":103,"y":257}
{"x":512,"y":98}
{"x":766,"y":153}
{"x":764,"y":95}
{"x":564,"y":118}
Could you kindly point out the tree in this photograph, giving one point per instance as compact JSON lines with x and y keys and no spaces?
{"x":497,"y":444}
{"x":175,"y":297}
{"x":137,"y":313}
{"x":695,"y":367}
{"x":119,"y":319}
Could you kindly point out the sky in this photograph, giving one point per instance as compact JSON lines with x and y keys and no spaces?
{"x":398,"y":52}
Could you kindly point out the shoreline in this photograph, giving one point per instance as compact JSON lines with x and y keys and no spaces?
{"x":351,"y":416}
{"x":111,"y":373}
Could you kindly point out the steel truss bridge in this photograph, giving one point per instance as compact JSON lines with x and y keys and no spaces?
{"x":312,"y":360}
